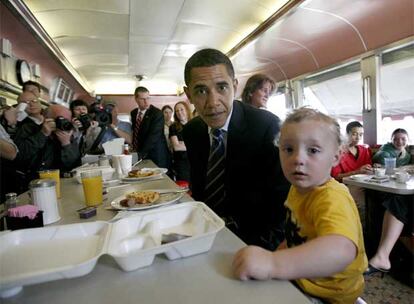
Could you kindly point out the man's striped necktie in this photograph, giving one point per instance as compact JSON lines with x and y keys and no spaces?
{"x":136,"y":130}
{"x":214,"y":192}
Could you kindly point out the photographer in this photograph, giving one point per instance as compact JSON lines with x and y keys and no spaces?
{"x":86,"y":130}
{"x":107,"y":117}
{"x":45,"y":142}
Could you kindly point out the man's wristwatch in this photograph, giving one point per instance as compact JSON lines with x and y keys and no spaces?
{"x":115,"y":128}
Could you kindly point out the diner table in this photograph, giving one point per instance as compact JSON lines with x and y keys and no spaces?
{"x":391,"y":186}
{"x":203,"y":278}
{"x":374,"y":211}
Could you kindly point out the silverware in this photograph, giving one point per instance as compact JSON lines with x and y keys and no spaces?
{"x":140,"y":160}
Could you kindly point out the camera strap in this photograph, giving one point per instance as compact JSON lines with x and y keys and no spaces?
{"x":98,"y":139}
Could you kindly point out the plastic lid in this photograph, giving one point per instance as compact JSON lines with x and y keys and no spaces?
{"x":42,"y":183}
{"x":11,"y":194}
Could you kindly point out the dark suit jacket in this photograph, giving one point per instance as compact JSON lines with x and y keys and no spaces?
{"x":151,"y":139}
{"x":255,"y":186}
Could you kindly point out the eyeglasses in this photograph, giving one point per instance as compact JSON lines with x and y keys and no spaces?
{"x":30,"y":101}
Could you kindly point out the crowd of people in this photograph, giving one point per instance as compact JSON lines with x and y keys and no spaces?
{"x":277,"y":186}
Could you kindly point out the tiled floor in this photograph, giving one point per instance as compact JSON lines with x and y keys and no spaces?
{"x":387,"y":290}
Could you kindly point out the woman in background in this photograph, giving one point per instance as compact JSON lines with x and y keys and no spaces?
{"x":397,"y":149}
{"x":399,"y":208}
{"x":167,"y":111}
{"x":257,"y":90}
{"x":181,"y":166}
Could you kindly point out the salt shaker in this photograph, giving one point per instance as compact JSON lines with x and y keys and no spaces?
{"x":11,"y":200}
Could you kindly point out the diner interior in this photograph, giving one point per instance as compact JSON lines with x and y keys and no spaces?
{"x":317,"y":52}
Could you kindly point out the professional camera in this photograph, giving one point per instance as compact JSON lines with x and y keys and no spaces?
{"x":103,"y":114}
{"x":63,"y":124}
{"x":85,"y":121}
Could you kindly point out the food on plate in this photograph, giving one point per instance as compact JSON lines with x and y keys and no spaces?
{"x":139,"y":198}
{"x":140,"y":173}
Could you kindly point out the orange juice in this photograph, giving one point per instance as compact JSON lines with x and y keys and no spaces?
{"x":52,"y":174}
{"x":92,"y":188}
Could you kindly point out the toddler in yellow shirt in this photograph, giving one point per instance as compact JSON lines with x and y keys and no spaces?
{"x":325,"y":255}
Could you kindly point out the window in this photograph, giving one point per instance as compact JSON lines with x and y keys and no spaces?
{"x":397,"y":92}
{"x":337,"y":93}
{"x":277,"y":105}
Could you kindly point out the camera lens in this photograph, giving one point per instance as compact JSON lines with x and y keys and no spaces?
{"x":63,"y":124}
{"x":85,"y":120}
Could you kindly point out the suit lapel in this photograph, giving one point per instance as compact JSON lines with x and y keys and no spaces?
{"x":236,"y":130}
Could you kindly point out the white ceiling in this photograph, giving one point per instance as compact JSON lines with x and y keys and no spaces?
{"x":109,"y":42}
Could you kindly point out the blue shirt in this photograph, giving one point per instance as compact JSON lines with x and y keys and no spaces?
{"x":110,"y":133}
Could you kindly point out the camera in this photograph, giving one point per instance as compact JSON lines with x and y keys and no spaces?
{"x":103,"y":114}
{"x":85,"y":121}
{"x":63,"y":124}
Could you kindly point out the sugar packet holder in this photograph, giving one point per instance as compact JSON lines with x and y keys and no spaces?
{"x":87,"y":212}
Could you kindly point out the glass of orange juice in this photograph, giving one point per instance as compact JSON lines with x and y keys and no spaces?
{"x":92,"y":187}
{"x":53,"y":174}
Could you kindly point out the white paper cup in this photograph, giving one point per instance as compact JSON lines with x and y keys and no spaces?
{"x":402,"y":176}
{"x":379,"y":172}
{"x":126,"y":163}
{"x":116,"y":164}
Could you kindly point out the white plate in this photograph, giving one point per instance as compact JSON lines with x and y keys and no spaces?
{"x":163,"y":170}
{"x":360,"y":177}
{"x":157,"y":173}
{"x":165,"y":199}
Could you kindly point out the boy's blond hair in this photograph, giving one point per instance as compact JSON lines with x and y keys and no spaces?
{"x":305,"y":113}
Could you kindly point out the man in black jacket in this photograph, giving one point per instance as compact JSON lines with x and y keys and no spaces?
{"x":148,"y":130}
{"x":253,"y":189}
{"x":43,"y":146}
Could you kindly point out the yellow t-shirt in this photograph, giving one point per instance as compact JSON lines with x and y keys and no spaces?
{"x":328,"y":209}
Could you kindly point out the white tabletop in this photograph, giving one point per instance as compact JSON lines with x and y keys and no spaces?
{"x":204,"y":278}
{"x":390,"y":186}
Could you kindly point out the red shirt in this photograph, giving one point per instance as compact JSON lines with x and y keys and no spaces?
{"x":349,"y":162}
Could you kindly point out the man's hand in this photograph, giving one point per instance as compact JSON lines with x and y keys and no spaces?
{"x":76,"y":123}
{"x":366,"y":169}
{"x":64,"y":137}
{"x":114,"y":118}
{"x":11,"y":116}
{"x":48,"y":126}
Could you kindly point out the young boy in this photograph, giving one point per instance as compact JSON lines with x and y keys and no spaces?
{"x":326,"y":255}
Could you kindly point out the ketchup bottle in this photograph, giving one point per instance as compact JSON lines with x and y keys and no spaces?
{"x":126,"y":149}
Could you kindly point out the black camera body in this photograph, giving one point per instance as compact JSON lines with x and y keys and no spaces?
{"x":103,"y":114}
{"x":63,"y":124}
{"x":85,"y":121}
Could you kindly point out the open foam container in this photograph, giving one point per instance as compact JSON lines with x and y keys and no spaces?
{"x":45,"y":254}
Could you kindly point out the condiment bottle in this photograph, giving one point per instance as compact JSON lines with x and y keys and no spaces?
{"x":11,"y":200}
{"x":126,"y":149}
{"x":43,"y":193}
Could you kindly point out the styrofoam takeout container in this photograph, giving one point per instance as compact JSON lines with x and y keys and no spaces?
{"x":107,"y":172}
{"x":45,"y":254}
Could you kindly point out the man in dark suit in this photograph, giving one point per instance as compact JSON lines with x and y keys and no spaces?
{"x":254,"y":188}
{"x":148,"y":130}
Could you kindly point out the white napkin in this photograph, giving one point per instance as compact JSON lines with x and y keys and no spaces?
{"x":113,"y":146}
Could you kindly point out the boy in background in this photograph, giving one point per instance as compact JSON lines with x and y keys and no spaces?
{"x":325,"y":254}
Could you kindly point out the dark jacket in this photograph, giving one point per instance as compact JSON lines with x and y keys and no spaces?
{"x":151,"y":140}
{"x":39,"y":152}
{"x":254,"y":183}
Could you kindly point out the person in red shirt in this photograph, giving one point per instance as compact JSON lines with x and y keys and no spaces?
{"x":356,"y":159}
